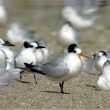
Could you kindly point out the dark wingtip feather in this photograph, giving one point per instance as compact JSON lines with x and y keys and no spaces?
{"x":33,"y":69}
{"x":28,"y":65}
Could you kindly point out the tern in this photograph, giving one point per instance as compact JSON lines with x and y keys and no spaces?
{"x":63,"y":68}
{"x":103,"y":81}
{"x":100,"y":58}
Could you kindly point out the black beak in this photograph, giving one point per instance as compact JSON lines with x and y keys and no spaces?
{"x":7,"y":43}
{"x":39,"y":47}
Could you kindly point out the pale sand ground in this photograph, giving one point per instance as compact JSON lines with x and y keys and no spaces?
{"x":81,"y":91}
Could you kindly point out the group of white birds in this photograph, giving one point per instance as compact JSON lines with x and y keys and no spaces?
{"x":34,"y":54}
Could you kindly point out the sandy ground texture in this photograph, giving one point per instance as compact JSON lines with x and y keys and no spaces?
{"x":80,"y":91}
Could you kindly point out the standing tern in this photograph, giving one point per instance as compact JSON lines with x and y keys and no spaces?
{"x":103,"y":81}
{"x":63,"y":68}
{"x":27,"y":55}
{"x":100,"y":59}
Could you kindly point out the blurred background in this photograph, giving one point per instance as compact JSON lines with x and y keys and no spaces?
{"x":44,"y":16}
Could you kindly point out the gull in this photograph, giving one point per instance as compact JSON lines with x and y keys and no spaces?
{"x":4,"y":45}
{"x":80,"y":12}
{"x":17,"y":33}
{"x":67,"y":35}
{"x":103,"y":81}
{"x":63,"y":68}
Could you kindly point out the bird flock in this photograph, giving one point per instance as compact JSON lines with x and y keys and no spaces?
{"x":34,"y":54}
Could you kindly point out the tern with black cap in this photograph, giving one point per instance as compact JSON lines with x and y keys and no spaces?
{"x":63,"y":68}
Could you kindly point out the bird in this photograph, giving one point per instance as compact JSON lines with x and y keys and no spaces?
{"x":99,"y":59}
{"x":6,"y":76}
{"x":103,"y":81}
{"x":62,"y":68}
{"x":81,"y":13}
{"x":42,"y":54}
{"x":17,"y":33}
{"x":4,"y":45}
{"x":67,"y":35}
{"x":27,"y":54}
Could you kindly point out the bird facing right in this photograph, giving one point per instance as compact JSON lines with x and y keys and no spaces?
{"x":63,"y":68}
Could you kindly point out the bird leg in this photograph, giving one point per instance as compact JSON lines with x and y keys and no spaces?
{"x":20,"y":76}
{"x":35,"y":78}
{"x":61,"y":84}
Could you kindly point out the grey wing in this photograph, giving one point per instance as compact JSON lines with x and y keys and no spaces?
{"x":7,"y":76}
{"x":55,"y":69}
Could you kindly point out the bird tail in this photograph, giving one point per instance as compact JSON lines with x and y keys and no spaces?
{"x":33,"y":68}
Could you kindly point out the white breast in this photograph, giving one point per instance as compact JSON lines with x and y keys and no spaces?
{"x":74,"y":65}
{"x":100,"y":62}
{"x":26,"y":56}
{"x":103,"y":81}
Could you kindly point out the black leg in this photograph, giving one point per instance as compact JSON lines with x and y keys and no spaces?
{"x":20,"y":76}
{"x":35,"y":78}
{"x":61,"y":84}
